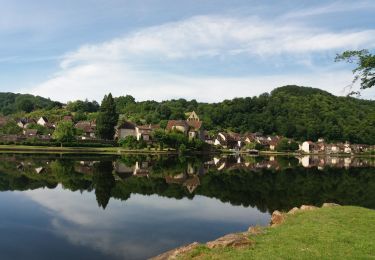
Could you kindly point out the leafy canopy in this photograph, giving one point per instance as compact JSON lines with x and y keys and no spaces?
{"x":65,"y":132}
{"x":365,"y":70}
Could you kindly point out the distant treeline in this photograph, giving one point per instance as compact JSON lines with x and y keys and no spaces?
{"x":292,"y":111}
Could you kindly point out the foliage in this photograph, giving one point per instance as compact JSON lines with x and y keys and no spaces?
{"x":11,"y":103}
{"x":41,"y":129}
{"x":10,"y":128}
{"x":107,"y":118}
{"x":131,"y":142}
{"x":286,"y":145}
{"x":178,"y":141}
{"x":292,"y":111}
{"x":365,"y":70}
{"x":83,"y":106}
{"x":64,"y":132}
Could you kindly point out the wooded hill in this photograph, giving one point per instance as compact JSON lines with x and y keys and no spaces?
{"x":297,"y":112}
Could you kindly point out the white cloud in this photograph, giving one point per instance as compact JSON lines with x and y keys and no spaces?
{"x":94,"y":70}
{"x":334,"y":7}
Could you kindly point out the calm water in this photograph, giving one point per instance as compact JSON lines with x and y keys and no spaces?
{"x":135,"y":207}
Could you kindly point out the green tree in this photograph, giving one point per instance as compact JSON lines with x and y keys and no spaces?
{"x":286,"y":145}
{"x":24,"y":104}
{"x":107,"y":118}
{"x":10,"y":128}
{"x":41,"y":129}
{"x":365,"y":70}
{"x":64,"y":132}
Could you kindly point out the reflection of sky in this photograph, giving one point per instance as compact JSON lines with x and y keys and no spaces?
{"x":40,"y":223}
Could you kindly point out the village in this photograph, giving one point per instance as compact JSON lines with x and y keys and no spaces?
{"x":40,"y":130}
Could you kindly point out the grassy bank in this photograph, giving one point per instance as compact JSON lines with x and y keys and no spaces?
{"x":51,"y":149}
{"x":328,"y":233}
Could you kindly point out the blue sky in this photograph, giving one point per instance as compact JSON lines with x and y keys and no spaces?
{"x":161,"y":49}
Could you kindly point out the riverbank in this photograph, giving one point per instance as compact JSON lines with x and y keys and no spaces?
{"x":332,"y":232}
{"x":120,"y":150}
{"x":99,"y":150}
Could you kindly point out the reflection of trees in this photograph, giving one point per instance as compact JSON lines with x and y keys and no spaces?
{"x":68,"y":177}
{"x":266,"y":189}
{"x":103,"y":181}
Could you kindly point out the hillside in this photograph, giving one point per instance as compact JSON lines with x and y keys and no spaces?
{"x":292,"y":111}
{"x":11,"y":103}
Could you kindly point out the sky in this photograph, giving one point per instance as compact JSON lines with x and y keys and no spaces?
{"x":208,"y":50}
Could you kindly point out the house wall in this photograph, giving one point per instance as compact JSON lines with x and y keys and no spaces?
{"x":305,"y":147}
{"x":41,"y":122}
{"x":179,"y":128}
{"x":126,"y":132}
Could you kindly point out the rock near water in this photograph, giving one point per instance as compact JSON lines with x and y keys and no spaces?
{"x":231,"y":240}
{"x":277,"y":218}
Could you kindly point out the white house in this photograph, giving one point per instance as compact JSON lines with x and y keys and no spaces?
{"x":43,"y":121}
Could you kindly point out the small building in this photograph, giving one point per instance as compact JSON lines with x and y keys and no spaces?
{"x":144,"y":132}
{"x":30,"y":132}
{"x":178,"y":125}
{"x":226,"y":140}
{"x":43,"y":121}
{"x":125,"y":129}
{"x":88,"y":129}
{"x":307,"y":147}
{"x":25,"y":122}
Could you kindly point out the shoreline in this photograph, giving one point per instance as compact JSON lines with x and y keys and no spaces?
{"x":291,"y":233}
{"x":119,"y":150}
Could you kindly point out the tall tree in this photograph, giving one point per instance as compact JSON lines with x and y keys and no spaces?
{"x":365,"y":70}
{"x":107,"y":118}
{"x":65,"y":132}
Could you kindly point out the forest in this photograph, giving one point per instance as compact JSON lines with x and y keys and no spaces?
{"x":291,"y":111}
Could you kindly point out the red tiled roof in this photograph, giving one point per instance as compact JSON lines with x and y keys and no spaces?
{"x":195,"y":124}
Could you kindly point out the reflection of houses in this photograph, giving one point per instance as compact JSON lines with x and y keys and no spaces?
{"x":320,"y":162}
{"x":139,"y":169}
{"x":122,"y":170}
{"x":85,"y":167}
{"x":191,"y":182}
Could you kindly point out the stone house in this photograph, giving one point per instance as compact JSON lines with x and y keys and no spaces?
{"x":144,"y":132}
{"x":191,"y":127}
{"x":88,"y":128}
{"x":125,"y":129}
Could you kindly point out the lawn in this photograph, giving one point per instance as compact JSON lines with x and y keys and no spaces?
{"x":329,"y":233}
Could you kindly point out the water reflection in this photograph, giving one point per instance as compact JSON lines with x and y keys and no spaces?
{"x":138,"y":206}
{"x":266,"y":183}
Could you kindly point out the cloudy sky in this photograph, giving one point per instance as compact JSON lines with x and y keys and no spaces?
{"x":208,"y":50}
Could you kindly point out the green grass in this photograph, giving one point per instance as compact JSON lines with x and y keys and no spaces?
{"x":328,"y":233}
